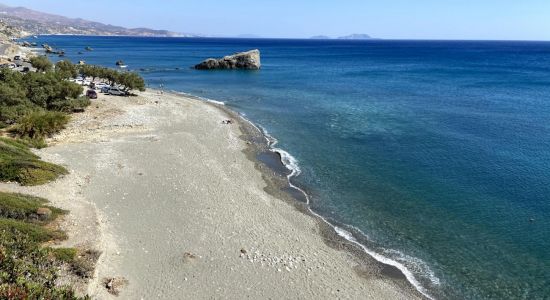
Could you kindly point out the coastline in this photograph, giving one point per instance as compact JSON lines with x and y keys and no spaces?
{"x":278,"y":168}
{"x":283,"y":226}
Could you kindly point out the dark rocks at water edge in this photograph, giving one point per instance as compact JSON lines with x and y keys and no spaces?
{"x":249,"y":60}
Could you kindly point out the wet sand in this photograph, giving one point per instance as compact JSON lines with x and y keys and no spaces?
{"x":180,"y":208}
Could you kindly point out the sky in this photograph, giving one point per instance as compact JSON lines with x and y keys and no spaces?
{"x":389,"y":19}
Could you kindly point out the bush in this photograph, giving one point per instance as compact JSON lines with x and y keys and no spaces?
{"x":66,"y":69}
{"x":35,"y":233}
{"x":43,"y":89}
{"x":41,"y":63}
{"x":131,"y":81}
{"x":28,"y":271}
{"x":64,"y":254}
{"x":71,"y":105}
{"x":19,"y":164}
{"x":39,"y":125}
{"x":10,"y":114}
{"x":24,"y":208}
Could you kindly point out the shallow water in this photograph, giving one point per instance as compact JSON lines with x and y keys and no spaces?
{"x":436,"y":154}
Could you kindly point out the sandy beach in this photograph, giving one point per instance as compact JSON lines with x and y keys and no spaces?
{"x":169,"y":195}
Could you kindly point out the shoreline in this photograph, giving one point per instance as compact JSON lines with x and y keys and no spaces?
{"x":100,"y":126}
{"x":261,"y":143}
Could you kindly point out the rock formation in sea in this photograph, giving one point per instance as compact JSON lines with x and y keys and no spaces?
{"x":249,"y":60}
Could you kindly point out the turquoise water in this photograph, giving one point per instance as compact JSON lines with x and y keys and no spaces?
{"x":433,"y":154}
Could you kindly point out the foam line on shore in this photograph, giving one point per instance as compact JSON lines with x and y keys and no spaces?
{"x":198,"y":97}
{"x":291,"y":163}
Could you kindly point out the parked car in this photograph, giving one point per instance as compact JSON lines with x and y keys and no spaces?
{"x":101,"y":85}
{"x":105,"y":89}
{"x":9,"y":66}
{"x":91,"y":94}
{"x":116,"y":92}
{"x":17,"y":57}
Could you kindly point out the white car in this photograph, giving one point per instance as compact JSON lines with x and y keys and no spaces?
{"x":116,"y":92}
{"x":101,"y":85}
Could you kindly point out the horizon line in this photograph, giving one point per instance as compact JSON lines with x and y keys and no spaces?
{"x":299,"y":38}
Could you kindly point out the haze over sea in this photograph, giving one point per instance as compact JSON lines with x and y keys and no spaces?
{"x":435,"y":154}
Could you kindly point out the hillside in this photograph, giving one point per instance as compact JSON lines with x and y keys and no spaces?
{"x":34,"y":23}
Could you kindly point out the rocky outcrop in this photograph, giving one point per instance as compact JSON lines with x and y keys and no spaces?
{"x":249,"y":60}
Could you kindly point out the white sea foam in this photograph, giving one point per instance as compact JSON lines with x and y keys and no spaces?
{"x":413,"y":263}
{"x":215,"y":102}
{"x":198,"y":97}
{"x":289,"y":162}
{"x":408,"y":274}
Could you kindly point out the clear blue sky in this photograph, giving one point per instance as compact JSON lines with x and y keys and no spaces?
{"x":410,"y":19}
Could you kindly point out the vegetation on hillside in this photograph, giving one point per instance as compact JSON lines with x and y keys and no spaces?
{"x":19,"y":164}
{"x":27,"y":97}
{"x":24,"y":207}
{"x":33,"y":106}
{"x":28,"y":269}
{"x":41,"y":63}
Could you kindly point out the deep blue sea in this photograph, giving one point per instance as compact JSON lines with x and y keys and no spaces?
{"x":434,"y":154}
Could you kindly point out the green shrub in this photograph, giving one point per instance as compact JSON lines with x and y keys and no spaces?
{"x":10,"y":114}
{"x":27,"y":271}
{"x":71,"y":105}
{"x":42,"y":124}
{"x":67,"y":255}
{"x":25,"y":207}
{"x":35,"y":233}
{"x":41,"y":63}
{"x":34,"y":143}
{"x":66,"y":69}
{"x":43,"y":89}
{"x":19,"y":164}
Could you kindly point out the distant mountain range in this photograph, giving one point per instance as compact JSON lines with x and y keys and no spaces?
{"x":32,"y":22}
{"x":355,"y":36}
{"x":21,"y":21}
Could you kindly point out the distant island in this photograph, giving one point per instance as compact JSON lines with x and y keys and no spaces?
{"x":320,"y":37}
{"x":355,"y":36}
{"x":249,"y":36}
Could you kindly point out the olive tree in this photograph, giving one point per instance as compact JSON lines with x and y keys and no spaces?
{"x":66,"y":69}
{"x":41,"y":63}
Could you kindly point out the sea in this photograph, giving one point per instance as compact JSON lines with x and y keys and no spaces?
{"x":433,"y":155}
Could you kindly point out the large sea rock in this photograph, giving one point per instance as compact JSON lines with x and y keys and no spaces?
{"x":249,"y":60}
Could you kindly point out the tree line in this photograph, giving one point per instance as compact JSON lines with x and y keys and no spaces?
{"x":125,"y":80}
{"x":38,"y":102}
